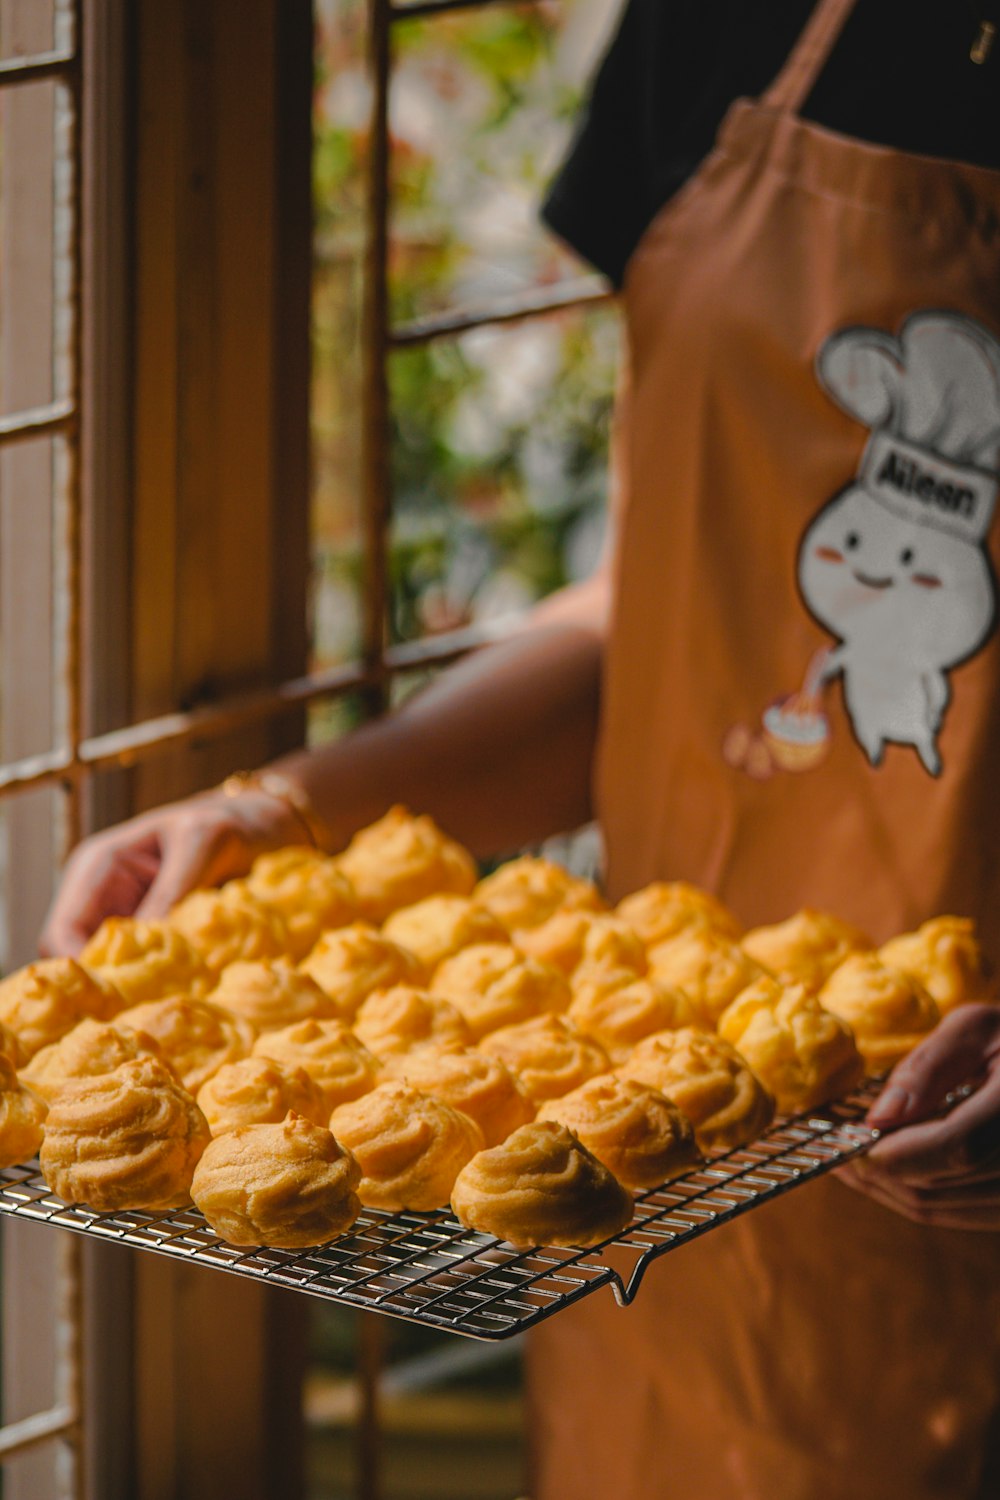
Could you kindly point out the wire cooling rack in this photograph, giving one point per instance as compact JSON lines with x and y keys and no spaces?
{"x":428,"y":1269}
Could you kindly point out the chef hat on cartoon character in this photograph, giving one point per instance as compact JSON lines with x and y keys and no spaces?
{"x":932,"y":399}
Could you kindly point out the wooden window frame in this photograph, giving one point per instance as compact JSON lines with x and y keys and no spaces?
{"x":194,"y":483}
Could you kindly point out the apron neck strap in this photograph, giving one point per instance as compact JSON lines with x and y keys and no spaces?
{"x":791,"y":87}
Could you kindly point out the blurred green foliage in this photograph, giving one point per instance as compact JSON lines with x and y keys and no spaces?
{"x":499,"y":437}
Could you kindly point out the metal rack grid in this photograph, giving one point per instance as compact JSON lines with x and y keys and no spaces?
{"x":426,"y":1268}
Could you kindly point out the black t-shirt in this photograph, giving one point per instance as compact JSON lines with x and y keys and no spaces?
{"x":900,"y":75}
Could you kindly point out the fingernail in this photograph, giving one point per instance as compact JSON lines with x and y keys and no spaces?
{"x":890,"y":1106}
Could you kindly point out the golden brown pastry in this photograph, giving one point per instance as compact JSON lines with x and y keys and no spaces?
{"x":548,"y":1056}
{"x":481,"y":1086}
{"x":287,"y":1185}
{"x":259,"y":1091}
{"x":802,"y":1054}
{"x":887,"y":1010}
{"x":10,"y":1047}
{"x":525,"y":892}
{"x":587,"y":941}
{"x":945,"y":955}
{"x":662,"y":910}
{"x":806,"y":948}
{"x":541,"y":1187}
{"x":45,"y":1000}
{"x":330,"y":1053}
{"x":130,"y":1138}
{"x":353,"y":962}
{"x":270,"y":994}
{"x":194,"y":1036}
{"x":707,"y":1079}
{"x":22,"y":1117}
{"x":639,"y":1135}
{"x":439,"y":926}
{"x":410,"y":1146}
{"x":392,"y":1022}
{"x":618,"y":1010}
{"x":711,"y":970}
{"x":91,"y":1048}
{"x":145,"y":960}
{"x":229,"y":925}
{"x":308,"y":890}
{"x":493,"y":986}
{"x":401,"y":859}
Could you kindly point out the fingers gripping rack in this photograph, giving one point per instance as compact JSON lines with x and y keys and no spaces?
{"x":428,"y":1269}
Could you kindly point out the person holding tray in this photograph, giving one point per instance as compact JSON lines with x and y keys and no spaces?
{"x":782,"y":684}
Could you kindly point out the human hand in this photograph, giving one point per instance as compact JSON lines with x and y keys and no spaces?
{"x":942,"y":1170}
{"x":142,"y":867}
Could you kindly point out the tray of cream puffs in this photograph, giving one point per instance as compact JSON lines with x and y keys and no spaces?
{"x":467,"y":1102}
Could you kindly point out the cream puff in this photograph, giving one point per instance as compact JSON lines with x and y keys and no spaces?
{"x":400,"y":860}
{"x":353,"y":962}
{"x":541,"y":1187}
{"x":493,"y":986}
{"x":802,"y":1053}
{"x":194,"y":1036}
{"x":308,"y":890}
{"x":259,"y":1091}
{"x":438,"y":926}
{"x":946,"y":957}
{"x":130,"y":1138}
{"x":525,"y":892}
{"x":707,"y":1079}
{"x":22,"y":1117}
{"x":638,"y":1133}
{"x":145,"y":960}
{"x":91,"y":1048}
{"x":710,"y":968}
{"x":660,"y":911}
{"x":286,"y":1185}
{"x":618,"y":1009}
{"x":229,"y":925}
{"x":391,"y":1023}
{"x":548,"y":1056}
{"x":888,"y":1011}
{"x":43,"y":1001}
{"x":410,"y":1146}
{"x":481,"y":1086}
{"x":270,"y":994}
{"x":806,"y":948}
{"x":337,"y":1062}
{"x":584,"y":943}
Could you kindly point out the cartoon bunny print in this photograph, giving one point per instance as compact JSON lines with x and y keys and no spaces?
{"x":895,"y":566}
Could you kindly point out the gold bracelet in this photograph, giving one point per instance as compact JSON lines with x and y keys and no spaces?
{"x":282,"y":789}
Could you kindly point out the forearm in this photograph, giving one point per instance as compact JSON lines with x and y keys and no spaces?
{"x":499,"y":749}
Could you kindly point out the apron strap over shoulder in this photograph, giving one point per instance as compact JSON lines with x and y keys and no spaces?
{"x":791,"y":87}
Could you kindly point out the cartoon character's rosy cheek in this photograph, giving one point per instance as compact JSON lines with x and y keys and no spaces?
{"x":927,"y":580}
{"x":829,"y":554}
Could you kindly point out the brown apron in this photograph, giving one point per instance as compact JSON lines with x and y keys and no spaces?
{"x":802,"y":708}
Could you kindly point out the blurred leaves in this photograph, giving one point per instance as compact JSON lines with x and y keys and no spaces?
{"x":498,"y":438}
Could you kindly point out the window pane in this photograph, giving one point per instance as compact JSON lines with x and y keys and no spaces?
{"x":27,"y":254}
{"x":482,"y":108}
{"x":26,"y":27}
{"x":329,"y":718}
{"x":483,"y":105}
{"x":28,"y":603}
{"x":340,"y":112}
{"x":41,"y":1471}
{"x":33,"y":1266}
{"x":30,"y":834}
{"x":500,"y":467}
